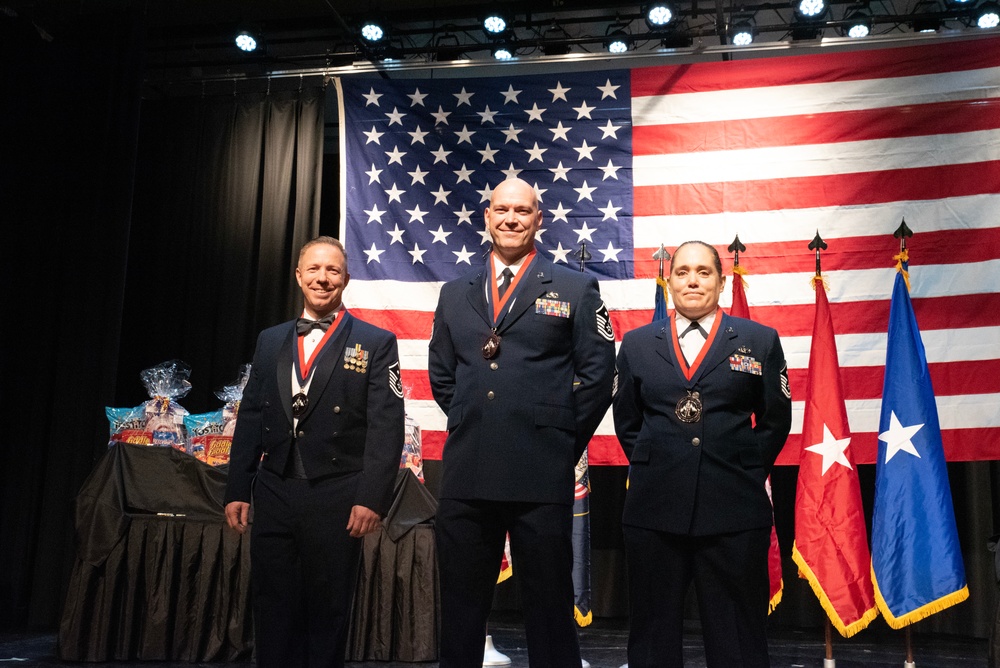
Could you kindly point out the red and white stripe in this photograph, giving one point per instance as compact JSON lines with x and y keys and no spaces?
{"x":846,"y":144}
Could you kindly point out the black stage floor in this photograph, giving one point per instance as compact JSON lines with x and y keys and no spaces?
{"x":603,"y":644}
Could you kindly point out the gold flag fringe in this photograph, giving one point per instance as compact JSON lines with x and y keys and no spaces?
{"x":737,"y":269}
{"x":846,"y":630}
{"x":923,"y":611}
{"x":900,"y":258}
{"x":582,"y":619}
{"x":819,"y":279}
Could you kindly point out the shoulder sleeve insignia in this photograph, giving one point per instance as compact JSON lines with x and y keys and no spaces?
{"x":395,"y":382}
{"x":785,"y":387}
{"x":604,"y":327}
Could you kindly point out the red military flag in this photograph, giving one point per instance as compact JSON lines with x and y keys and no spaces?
{"x":741,"y":309}
{"x":831,"y":544}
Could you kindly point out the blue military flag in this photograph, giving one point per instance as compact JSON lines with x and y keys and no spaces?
{"x":917,"y":565}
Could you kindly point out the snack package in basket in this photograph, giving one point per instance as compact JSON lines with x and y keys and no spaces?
{"x":159,"y":421}
{"x":211,"y":434}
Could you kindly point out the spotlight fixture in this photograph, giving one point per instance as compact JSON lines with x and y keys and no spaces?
{"x":554,"y":40}
{"x":987,"y":15}
{"x":741,"y":32}
{"x":372,"y":32}
{"x":495,"y":23}
{"x":857,"y":23}
{"x":503,"y":52}
{"x":246,"y":42}
{"x":659,"y":15}
{"x":617,"y":40}
{"x":810,"y":9}
{"x":448,"y":47}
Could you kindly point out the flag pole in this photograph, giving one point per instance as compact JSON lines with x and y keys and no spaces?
{"x":818,"y":245}
{"x":909,"y":638}
{"x":583,"y":255}
{"x":829,"y":661}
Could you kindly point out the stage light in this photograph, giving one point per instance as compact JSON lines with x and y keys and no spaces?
{"x":617,"y":40}
{"x":858,"y":23}
{"x":503,"y":52}
{"x":810,"y":9}
{"x":741,"y":33}
{"x":246,"y":42}
{"x":658,"y":15}
{"x":495,"y":23}
{"x":988,"y":15}
{"x":372,"y":32}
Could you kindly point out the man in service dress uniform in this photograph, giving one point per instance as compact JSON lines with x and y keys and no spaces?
{"x":317,"y":445}
{"x":702,"y":409}
{"x":509,"y":341}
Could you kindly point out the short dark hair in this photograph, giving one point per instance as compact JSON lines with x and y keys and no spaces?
{"x":711,"y":248}
{"x":324,"y":240}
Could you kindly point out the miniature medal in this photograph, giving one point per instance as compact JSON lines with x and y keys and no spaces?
{"x":300,"y":402}
{"x":689,"y":408}
{"x":492,"y":346}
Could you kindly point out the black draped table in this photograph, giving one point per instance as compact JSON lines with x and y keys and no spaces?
{"x":158,"y":575}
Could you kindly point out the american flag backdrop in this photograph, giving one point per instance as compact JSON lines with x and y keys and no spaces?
{"x":847,"y":144}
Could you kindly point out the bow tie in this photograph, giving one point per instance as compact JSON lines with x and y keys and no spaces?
{"x":305,"y":325}
{"x":695,"y":327}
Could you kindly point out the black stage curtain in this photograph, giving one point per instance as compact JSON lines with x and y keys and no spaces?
{"x":227,"y":190}
{"x":133,"y":232}
{"x":69,"y":111}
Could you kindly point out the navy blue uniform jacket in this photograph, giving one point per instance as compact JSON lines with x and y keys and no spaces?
{"x":516,"y":425}
{"x":354,"y":421}
{"x":705,"y":477}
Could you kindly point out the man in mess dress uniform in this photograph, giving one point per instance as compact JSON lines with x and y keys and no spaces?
{"x":522,"y":363}
{"x":316,"y":450}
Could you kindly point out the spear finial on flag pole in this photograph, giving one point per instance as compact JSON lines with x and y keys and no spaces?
{"x":903,"y":232}
{"x":583,"y":255}
{"x":662,"y":255}
{"x":736,"y":248}
{"x":818,"y":245}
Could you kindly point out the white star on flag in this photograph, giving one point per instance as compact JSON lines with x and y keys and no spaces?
{"x":373,"y":253}
{"x":898,"y":437}
{"x":832,"y":450}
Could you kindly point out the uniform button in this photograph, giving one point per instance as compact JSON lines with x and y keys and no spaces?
{"x":494,"y":366}
{"x":301,"y":434}
{"x":291,"y":433}
{"x":336,"y":409}
{"x":333,"y":459}
{"x":695,"y":441}
{"x":490,"y":395}
{"x":267,"y":430}
{"x":267,"y":404}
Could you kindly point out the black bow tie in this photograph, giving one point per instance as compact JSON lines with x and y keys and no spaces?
{"x":695,"y":327}
{"x":305,"y":325}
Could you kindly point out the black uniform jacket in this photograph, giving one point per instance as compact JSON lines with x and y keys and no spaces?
{"x":704,"y":477}
{"x":354,"y":420}
{"x":517,"y":424}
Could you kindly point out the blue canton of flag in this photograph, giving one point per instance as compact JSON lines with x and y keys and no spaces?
{"x":917,"y":564}
{"x":421,"y":158}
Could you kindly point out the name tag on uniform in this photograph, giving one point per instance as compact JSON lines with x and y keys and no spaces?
{"x":745,"y":364}
{"x":552,"y":307}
